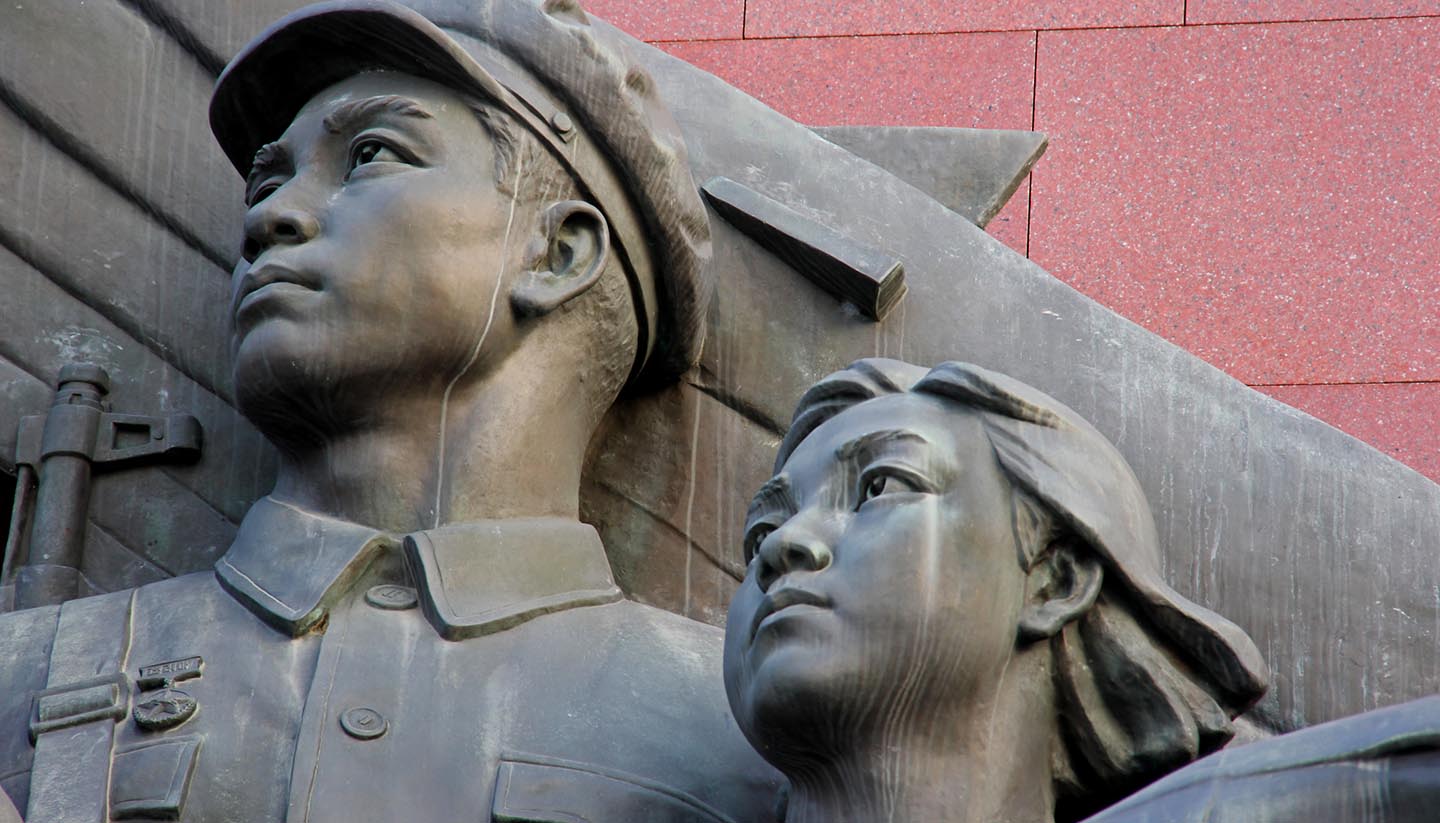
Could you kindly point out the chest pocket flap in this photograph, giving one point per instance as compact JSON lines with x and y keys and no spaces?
{"x":554,"y":791}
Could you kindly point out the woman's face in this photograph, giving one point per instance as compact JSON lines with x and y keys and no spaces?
{"x":883,"y":583}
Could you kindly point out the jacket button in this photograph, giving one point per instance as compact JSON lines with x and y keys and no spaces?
{"x":391,"y":596}
{"x":363,"y":723}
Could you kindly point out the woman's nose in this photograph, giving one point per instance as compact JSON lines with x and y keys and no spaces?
{"x":795,"y":546}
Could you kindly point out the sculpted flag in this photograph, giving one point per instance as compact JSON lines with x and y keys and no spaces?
{"x":118,"y":230}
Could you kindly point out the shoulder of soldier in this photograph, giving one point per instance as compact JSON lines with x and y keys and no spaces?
{"x":635,"y":628}
{"x":1336,"y":770}
{"x":661,"y":657}
{"x":28,"y":639}
{"x":28,"y":636}
{"x":666,"y":620}
{"x":656,"y":657}
{"x":671,"y":665}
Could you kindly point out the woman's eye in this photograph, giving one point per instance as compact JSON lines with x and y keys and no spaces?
{"x":373,"y":151}
{"x":880,"y":484}
{"x":754,"y":538}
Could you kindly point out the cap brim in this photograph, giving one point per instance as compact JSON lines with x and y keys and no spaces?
{"x":270,"y":80}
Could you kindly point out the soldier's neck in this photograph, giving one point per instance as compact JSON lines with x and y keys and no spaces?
{"x":510,"y":446}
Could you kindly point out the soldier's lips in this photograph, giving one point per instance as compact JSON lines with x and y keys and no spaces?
{"x":271,"y":281}
{"x":778,"y":600}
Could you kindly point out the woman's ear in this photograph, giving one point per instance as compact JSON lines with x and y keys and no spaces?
{"x":577,"y":242}
{"x":1062,"y":585}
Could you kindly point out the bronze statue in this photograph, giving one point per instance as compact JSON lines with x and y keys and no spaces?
{"x":120,"y":226}
{"x":953,"y":610}
{"x":417,"y":589}
{"x":469,"y":228}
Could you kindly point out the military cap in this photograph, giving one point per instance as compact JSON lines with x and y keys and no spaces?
{"x":568,"y":78}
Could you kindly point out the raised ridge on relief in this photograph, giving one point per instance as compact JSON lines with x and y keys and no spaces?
{"x":110,"y":565}
{"x":221,"y":28}
{"x":868,"y":277}
{"x":88,"y":99}
{"x":174,"y":23}
{"x":109,"y":254}
{"x":973,"y":172}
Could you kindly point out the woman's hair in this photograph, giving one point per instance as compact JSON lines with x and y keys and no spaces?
{"x":1146,"y":680}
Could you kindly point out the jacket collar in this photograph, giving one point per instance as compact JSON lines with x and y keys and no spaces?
{"x":479,"y":578}
{"x":290,"y":567}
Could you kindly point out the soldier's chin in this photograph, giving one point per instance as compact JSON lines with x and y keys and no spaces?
{"x":294,"y":395}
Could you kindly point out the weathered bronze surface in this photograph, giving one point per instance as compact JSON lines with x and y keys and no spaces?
{"x":118,"y":231}
{"x":120,"y":226}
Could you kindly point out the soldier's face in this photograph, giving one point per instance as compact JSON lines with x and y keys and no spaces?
{"x":884,"y":585}
{"x":375,"y":247}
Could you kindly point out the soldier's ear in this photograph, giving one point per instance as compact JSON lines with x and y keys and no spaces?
{"x":1062,"y":585}
{"x":576,"y":242}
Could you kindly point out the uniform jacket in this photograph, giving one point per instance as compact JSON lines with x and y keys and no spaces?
{"x":484,"y":671}
{"x":1382,"y":766}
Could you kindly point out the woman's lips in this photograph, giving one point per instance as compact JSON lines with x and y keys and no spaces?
{"x":777,"y":600}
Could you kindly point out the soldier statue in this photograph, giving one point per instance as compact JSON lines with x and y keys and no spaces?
{"x":471,"y":226}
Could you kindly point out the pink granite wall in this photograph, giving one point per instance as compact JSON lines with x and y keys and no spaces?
{"x":1255,"y":180}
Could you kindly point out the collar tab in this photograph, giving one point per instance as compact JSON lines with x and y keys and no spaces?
{"x":480,"y":578}
{"x":289,"y":566}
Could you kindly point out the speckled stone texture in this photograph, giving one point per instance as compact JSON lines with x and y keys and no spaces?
{"x":1256,"y":11}
{"x":659,"y":20}
{"x":1260,"y":195}
{"x":967,"y":80}
{"x":1396,"y":418}
{"x":791,"y":18}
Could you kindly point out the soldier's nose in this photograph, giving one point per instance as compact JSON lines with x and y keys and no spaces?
{"x":268,"y":224}
{"x":793,"y":547}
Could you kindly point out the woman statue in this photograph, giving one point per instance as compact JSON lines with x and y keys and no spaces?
{"x":953,"y":611}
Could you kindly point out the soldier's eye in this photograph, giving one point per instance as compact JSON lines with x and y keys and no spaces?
{"x":261,"y":192}
{"x":373,"y":151}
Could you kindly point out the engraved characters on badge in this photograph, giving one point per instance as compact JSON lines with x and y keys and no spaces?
{"x":168,"y":707}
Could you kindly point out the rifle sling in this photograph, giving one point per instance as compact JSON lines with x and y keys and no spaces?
{"x":73,"y":721}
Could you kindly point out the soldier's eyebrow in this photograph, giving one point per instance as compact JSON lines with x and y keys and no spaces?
{"x":270,"y":157}
{"x":774,"y":495}
{"x":347,"y":115}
